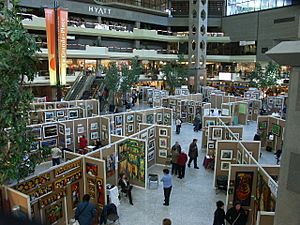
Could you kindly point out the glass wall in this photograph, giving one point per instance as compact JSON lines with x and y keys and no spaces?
{"x":244,"y":6}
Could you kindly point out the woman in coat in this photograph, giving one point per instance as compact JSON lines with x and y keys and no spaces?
{"x":219,"y":216}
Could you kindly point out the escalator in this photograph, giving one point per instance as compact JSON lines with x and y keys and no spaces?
{"x":80,"y":87}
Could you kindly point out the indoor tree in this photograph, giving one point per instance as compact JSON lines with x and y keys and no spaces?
{"x":112,"y":83}
{"x":130,"y":76}
{"x":175,"y":74}
{"x":265,"y":78}
{"x":17,"y":64}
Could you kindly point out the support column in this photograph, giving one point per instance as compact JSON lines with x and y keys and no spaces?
{"x":288,"y":201}
{"x":137,"y":43}
{"x":197,"y":42}
{"x":99,"y":37}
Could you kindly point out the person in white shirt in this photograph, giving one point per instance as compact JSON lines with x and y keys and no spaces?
{"x":178,"y":125}
{"x":56,"y":154}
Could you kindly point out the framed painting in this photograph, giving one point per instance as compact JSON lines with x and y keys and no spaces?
{"x":163,"y":153}
{"x":217,"y":133}
{"x":243,"y":187}
{"x":226,"y":154}
{"x":225,"y":166}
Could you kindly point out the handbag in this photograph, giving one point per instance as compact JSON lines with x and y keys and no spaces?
{"x":236,"y":219}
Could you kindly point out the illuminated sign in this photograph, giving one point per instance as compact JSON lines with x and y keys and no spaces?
{"x":99,"y":10}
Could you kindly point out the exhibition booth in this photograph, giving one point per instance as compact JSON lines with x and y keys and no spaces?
{"x":271,"y":131}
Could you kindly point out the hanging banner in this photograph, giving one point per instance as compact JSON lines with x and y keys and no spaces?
{"x":50,"y":30}
{"x":62,"y":44}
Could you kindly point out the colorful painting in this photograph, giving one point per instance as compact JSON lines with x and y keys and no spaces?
{"x":243,"y":187}
{"x":242,"y":108}
{"x":75,"y":194}
{"x":131,"y":154}
{"x":276,"y":130}
{"x":264,"y":199}
{"x":100,"y":192}
{"x":110,"y":164}
{"x":262,"y":125}
{"x":91,"y":169}
{"x":54,"y":213}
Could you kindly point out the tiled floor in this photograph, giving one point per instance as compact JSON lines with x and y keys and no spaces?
{"x":192,"y":199}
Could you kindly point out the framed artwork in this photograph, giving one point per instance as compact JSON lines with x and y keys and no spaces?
{"x":61,"y":119}
{"x":209,"y":123}
{"x":94,"y":126}
{"x":139,"y":118}
{"x":276,"y":130}
{"x":211,"y":145}
{"x":68,"y":131}
{"x":151,"y":156}
{"x":163,"y":153}
{"x":104,"y":127}
{"x":150,"y":119}
{"x":163,"y":132}
{"x":91,"y":169}
{"x":50,"y":131}
{"x":69,"y":141}
{"x":225,"y":166}
{"x":90,"y":107}
{"x":217,"y":133}
{"x":130,"y":118}
{"x":163,"y":142}
{"x":118,"y":120}
{"x":226,"y":154}
{"x":54,"y":212}
{"x":75,"y":194}
{"x":37,"y":132}
{"x":119,"y":131}
{"x":235,"y":136}
{"x":130,"y":128}
{"x":159,"y":117}
{"x":144,"y":136}
{"x":243,"y":187}
{"x":61,"y":129}
{"x":100,"y":192}
{"x":239,"y":157}
{"x":49,"y":116}
{"x":73,"y":114}
{"x":151,"y":144}
{"x":80,"y":129}
{"x":60,"y":113}
{"x":48,"y":143}
{"x":94,"y":135}
{"x":263,"y":125}
{"x":225,"y":112}
{"x":151,"y":132}
{"x":35,"y":146}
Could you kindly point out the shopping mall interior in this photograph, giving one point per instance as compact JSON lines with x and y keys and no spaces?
{"x":147,"y":112}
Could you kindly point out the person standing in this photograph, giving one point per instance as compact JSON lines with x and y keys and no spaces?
{"x":193,"y":153}
{"x":175,"y":152}
{"x":85,"y":211}
{"x":55,"y":154}
{"x":182,"y":159}
{"x":178,"y":125}
{"x":167,"y":184}
{"x":277,"y":156}
{"x":219,"y":216}
{"x":236,"y":215}
{"x":83,"y":144}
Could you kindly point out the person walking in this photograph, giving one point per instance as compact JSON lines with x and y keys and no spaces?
{"x":219,"y":216}
{"x":167,"y":184}
{"x":193,"y":153}
{"x":182,"y":159}
{"x":178,"y":125}
{"x":236,"y":215}
{"x":85,"y":211}
{"x":55,"y":154}
{"x":174,"y":153}
{"x":277,"y":156}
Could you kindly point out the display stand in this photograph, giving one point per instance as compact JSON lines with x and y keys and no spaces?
{"x":277,"y":104}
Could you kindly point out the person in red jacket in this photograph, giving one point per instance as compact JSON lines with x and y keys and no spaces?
{"x":83,"y":145}
{"x":182,"y":159}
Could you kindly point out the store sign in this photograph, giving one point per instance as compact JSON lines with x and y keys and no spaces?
{"x":273,"y":187}
{"x":99,"y":10}
{"x":62,"y":44}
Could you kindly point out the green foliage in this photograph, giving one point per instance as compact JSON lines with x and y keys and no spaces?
{"x":175,"y":74}
{"x":265,"y":78}
{"x":17,"y":63}
{"x":130,"y":76}
{"x":112,"y":81}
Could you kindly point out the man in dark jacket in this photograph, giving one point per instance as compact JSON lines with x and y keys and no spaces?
{"x":182,"y":159}
{"x":236,"y":215}
{"x":219,"y":216}
{"x":85,"y":211}
{"x":193,"y":154}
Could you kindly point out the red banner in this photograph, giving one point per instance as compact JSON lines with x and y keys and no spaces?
{"x":62,"y":43}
